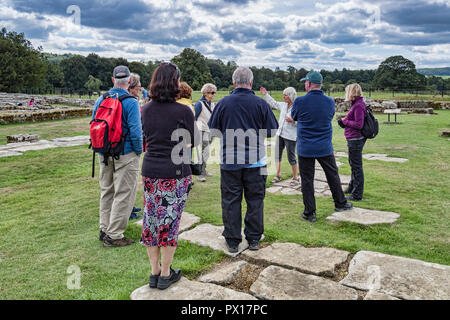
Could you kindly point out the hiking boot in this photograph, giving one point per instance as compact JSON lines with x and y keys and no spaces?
{"x":108,"y":242}
{"x":101,"y":236}
{"x":253,"y":245}
{"x":352,"y":198}
{"x":165,"y":282}
{"x":309,"y":217}
{"x":154,"y":280}
{"x":134,"y":216}
{"x":232,"y":248}
{"x":347,"y":206}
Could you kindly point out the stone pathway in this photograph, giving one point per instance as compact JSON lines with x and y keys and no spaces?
{"x":364,"y":217}
{"x":289,"y":271}
{"x":375,"y":156}
{"x":17,"y":149}
{"x":321,"y":187}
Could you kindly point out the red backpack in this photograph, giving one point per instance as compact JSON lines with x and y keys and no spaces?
{"x":106,"y":133}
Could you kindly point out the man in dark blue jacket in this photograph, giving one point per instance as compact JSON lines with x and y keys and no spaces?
{"x":243,"y":120}
{"x":314,"y":113}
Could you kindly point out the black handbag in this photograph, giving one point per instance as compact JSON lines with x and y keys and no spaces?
{"x":196,"y":168}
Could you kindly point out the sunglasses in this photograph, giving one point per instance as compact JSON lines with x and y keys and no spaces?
{"x":173,"y":65}
{"x":213,"y":93}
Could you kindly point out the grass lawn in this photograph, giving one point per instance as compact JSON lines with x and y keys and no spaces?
{"x":49,"y":212}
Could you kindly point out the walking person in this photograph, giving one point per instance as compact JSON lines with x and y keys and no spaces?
{"x":314,"y":113}
{"x":203,"y":110}
{"x":353,"y":123}
{"x":286,"y":134}
{"x":118,"y":180}
{"x":166,"y":181}
{"x":244,"y":120}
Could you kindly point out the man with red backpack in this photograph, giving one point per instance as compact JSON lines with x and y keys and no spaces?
{"x":119,"y":164}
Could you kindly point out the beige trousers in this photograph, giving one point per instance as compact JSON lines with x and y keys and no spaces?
{"x":117,"y":193}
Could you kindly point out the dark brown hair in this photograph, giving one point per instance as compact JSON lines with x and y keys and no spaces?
{"x":185,"y":91}
{"x":164,"y":84}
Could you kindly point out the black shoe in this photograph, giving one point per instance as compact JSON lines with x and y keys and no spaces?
{"x":352,"y":198}
{"x":136,"y":210}
{"x":101,"y":236}
{"x":134,"y":216}
{"x":154,"y":281}
{"x":347,"y":206}
{"x":310,"y":217}
{"x":253,"y":245}
{"x":165,"y":282}
{"x":232,"y":248}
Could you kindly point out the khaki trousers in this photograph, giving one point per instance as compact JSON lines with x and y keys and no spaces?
{"x":117,"y":193}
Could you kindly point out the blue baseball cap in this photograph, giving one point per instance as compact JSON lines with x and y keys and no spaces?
{"x":314,"y":77}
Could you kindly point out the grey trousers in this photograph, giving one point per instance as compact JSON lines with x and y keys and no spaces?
{"x":117,"y":193}
{"x":206,"y":141}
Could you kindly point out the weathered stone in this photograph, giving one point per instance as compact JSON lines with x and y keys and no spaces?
{"x":445,"y":133}
{"x":211,"y":236}
{"x":375,"y":295}
{"x":9,"y":154}
{"x":290,"y":192}
{"x":399,"y":277}
{"x":276,"y":283}
{"x":187,"y":221}
{"x":225,"y":275}
{"x":189,"y":290}
{"x":364,"y":216}
{"x":317,"y":261}
{"x":389,"y":104}
{"x":22,"y":138}
{"x":274,"y":189}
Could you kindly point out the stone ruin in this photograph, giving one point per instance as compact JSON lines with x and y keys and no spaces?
{"x":409,"y":106}
{"x":14,"y":108}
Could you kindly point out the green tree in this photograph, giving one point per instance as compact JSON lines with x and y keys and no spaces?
{"x":75,"y":72}
{"x":194,"y":68}
{"x":397,"y":72}
{"x":93,"y":84}
{"x":21,"y":66}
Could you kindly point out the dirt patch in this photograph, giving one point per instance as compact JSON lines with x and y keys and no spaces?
{"x":248,"y":275}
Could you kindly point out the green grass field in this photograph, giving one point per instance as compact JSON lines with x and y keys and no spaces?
{"x":49,"y":212}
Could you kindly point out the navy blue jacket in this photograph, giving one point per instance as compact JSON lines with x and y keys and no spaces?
{"x":314,"y":113}
{"x":243,"y":112}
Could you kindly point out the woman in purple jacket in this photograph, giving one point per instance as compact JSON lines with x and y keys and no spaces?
{"x":353,"y":123}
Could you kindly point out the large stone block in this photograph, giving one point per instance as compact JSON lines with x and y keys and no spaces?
{"x":189,"y":290}
{"x":399,"y":277}
{"x":224,"y":275}
{"x":364,"y":216}
{"x":317,"y":261}
{"x":276,"y":283}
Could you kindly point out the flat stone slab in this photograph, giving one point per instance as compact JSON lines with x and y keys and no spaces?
{"x":187,"y":221}
{"x":375,"y":295}
{"x":364,"y":216}
{"x":225,"y":275}
{"x":317,"y":261}
{"x":189,"y":290}
{"x":399,"y":277}
{"x":276,"y":283}
{"x":9,"y":154}
{"x":208,"y":235}
{"x":375,"y":156}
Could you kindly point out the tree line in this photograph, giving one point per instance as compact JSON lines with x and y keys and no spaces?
{"x":23,"y":67}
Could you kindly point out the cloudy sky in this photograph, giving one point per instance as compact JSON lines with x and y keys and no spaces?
{"x":328,"y":34}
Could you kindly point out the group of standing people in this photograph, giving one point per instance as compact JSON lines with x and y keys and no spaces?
{"x":305,"y":124}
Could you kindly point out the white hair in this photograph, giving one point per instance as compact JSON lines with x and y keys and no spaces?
{"x":122,"y":81}
{"x":291,"y":93}
{"x":207,"y":88}
{"x":242,"y":77}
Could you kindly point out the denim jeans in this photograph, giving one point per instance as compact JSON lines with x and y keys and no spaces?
{"x":356,"y":186}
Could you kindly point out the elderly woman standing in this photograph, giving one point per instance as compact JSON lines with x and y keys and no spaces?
{"x":353,"y":123}
{"x":287,"y":132}
{"x":166,"y":182}
{"x":203,"y":111}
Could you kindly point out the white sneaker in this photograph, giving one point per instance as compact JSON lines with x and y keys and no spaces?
{"x":201,"y":179}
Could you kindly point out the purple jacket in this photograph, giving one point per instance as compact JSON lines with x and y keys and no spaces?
{"x":354,"y":121}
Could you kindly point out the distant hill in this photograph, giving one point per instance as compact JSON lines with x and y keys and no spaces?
{"x":435,"y":71}
{"x":55,"y":58}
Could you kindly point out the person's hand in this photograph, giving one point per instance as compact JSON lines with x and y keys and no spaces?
{"x":263,"y":91}
{"x":289,"y":119}
{"x":341,"y":124}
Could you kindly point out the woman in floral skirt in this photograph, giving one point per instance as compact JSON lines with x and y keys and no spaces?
{"x":167,"y":179}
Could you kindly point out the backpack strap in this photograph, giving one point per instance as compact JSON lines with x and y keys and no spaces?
{"x":126,"y":96}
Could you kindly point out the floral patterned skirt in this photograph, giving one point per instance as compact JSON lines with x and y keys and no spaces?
{"x":164,"y":204}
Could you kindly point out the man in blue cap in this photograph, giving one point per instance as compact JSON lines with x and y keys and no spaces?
{"x":314,"y":113}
